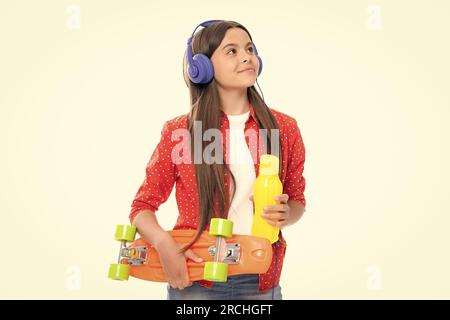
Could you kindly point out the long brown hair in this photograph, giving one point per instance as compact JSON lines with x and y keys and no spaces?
{"x":204,"y":107}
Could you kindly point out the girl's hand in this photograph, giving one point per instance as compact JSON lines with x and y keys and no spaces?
{"x":279,"y":215}
{"x":174,"y":263}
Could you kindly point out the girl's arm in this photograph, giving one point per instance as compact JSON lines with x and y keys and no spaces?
{"x":296,"y":211}
{"x":149,"y":228}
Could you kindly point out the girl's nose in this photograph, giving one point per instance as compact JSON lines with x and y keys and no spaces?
{"x":245,"y":57}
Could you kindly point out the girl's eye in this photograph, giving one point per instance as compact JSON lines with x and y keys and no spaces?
{"x":251,"y":50}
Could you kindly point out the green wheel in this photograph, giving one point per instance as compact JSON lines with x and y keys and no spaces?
{"x":119,"y":271}
{"x":125,"y":233}
{"x":215,"y":271}
{"x":221,"y":227}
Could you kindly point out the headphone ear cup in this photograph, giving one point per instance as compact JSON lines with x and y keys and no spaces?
{"x":205,"y":69}
{"x":260,"y":65}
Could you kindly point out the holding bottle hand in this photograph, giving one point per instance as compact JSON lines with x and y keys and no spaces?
{"x":278,"y":215}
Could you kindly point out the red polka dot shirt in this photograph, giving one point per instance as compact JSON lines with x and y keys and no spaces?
{"x":162,"y":174}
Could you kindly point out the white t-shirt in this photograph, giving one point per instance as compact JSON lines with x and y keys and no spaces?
{"x":242,"y":167}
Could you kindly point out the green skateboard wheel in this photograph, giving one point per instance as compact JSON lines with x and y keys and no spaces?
{"x":221,"y":227}
{"x":119,"y":271}
{"x":125,"y":233}
{"x":215,"y":271}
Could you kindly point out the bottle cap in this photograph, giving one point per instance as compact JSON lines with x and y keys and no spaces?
{"x":268,"y":164}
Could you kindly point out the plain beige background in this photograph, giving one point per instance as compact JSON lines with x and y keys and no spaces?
{"x":87,"y":85}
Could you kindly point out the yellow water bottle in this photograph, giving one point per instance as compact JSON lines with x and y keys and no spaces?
{"x":267,"y":186}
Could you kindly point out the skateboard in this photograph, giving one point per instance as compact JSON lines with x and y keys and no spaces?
{"x":223,"y":254}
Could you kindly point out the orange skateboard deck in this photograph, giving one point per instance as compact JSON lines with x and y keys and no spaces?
{"x":244,"y":254}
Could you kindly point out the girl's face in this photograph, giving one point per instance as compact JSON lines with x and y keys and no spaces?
{"x":235,"y":54}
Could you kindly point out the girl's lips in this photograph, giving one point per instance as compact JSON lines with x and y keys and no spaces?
{"x":248,"y":70}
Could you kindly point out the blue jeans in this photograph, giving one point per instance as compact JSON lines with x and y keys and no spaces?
{"x":238,"y":287}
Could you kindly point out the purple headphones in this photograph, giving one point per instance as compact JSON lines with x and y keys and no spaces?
{"x":200,"y":68}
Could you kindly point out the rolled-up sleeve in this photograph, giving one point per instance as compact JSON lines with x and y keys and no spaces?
{"x":294,"y":184}
{"x":160,"y":175}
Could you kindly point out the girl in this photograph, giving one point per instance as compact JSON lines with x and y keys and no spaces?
{"x":220,"y":68}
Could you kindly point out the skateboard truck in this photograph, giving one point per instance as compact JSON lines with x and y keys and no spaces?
{"x":136,"y":256}
{"x":233,"y":253}
{"x":215,"y":270}
{"x":133,"y":256}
